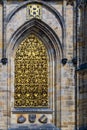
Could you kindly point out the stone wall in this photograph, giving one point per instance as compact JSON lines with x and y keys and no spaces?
{"x":64,"y":115}
{"x":82,"y":71}
{"x":3,"y":92}
{"x":67,"y":81}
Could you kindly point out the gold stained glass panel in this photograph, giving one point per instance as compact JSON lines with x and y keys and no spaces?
{"x":31,"y":74}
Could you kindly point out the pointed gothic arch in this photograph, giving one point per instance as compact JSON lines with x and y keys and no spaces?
{"x":55,"y":54}
{"x":42,"y":30}
{"x":50,"y":8}
{"x":45,"y":5}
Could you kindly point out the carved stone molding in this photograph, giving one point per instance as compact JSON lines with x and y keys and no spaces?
{"x":32,"y":118}
{"x":64,"y":61}
{"x":4,"y":61}
{"x":21,"y":119}
{"x":70,"y":2}
{"x":82,"y":4}
{"x":32,"y":110}
{"x":43,"y":119}
{"x":35,"y":127}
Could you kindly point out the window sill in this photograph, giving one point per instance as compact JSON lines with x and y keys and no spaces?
{"x":32,"y":110}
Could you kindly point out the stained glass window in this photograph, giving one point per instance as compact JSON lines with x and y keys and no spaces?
{"x":31,"y":74}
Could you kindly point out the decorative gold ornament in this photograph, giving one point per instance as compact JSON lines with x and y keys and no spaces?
{"x":34,"y":11}
{"x":31,"y":74}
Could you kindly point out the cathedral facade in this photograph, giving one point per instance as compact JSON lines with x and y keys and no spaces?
{"x":43,"y":65}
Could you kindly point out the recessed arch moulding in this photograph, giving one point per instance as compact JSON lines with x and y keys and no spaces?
{"x":54,"y":48}
{"x":18,"y":30}
{"x":50,"y":16}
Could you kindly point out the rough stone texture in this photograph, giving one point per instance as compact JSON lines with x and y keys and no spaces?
{"x":35,"y":127}
{"x":82,"y":74}
{"x":65,"y":94}
{"x":47,"y":17}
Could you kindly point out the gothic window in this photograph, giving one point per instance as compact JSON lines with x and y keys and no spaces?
{"x":31,"y":74}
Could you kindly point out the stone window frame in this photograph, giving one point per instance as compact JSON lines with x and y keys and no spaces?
{"x":54,"y":47}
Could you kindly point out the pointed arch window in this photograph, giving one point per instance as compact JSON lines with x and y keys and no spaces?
{"x":31,"y":74}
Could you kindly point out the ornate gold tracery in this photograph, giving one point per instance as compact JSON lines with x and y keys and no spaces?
{"x":31,"y":74}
